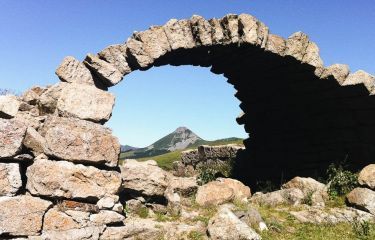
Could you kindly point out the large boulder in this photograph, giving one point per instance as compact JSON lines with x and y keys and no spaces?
{"x":73,"y":71}
{"x":214,"y":193}
{"x":362,"y":198}
{"x":10,"y":179}
{"x":225,"y":225}
{"x":290,"y":196}
{"x":85,"y":102}
{"x":22,"y":215}
{"x":80,"y":141}
{"x":367,"y":176}
{"x":144,"y":178}
{"x":306,"y":185}
{"x":68,"y":180}
{"x":12,"y":133}
{"x":312,"y":189}
{"x":241,"y":191}
{"x":9,"y":106}
{"x":91,"y":232}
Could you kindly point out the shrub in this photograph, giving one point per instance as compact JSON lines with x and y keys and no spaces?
{"x":361,"y":228}
{"x":194,"y":235}
{"x":308,"y":199}
{"x":341,"y":181}
{"x":210,"y":171}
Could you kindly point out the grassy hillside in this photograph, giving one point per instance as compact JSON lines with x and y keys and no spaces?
{"x":166,"y":160}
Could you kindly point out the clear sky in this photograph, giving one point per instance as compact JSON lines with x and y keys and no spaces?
{"x":37,"y":35}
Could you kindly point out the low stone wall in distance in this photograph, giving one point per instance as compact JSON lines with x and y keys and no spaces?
{"x":218,"y":158}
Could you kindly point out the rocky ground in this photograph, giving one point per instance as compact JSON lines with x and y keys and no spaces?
{"x":163,"y":206}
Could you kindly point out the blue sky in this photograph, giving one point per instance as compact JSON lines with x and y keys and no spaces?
{"x":37,"y":35}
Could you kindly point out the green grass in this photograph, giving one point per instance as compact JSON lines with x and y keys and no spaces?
{"x":166,"y":160}
{"x":282,"y":225}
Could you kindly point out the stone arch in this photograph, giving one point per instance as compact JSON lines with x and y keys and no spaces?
{"x":300,"y":115}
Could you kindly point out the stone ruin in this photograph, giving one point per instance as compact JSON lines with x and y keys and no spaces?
{"x":59,"y":164}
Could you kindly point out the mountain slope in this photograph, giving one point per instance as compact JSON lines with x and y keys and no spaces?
{"x":180,"y":139}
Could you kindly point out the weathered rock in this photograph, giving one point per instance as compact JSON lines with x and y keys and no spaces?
{"x":214,"y":193}
{"x":85,"y":102}
{"x":154,"y":42}
{"x":9,"y":106}
{"x":80,"y":141}
{"x":57,"y":220}
{"x":145,"y":178}
{"x":252,"y":218}
{"x":226,"y":226}
{"x":338,"y":71}
{"x":67,"y":205}
{"x":228,"y":151}
{"x":106,"y":202}
{"x":116,"y":55}
{"x":201,"y":30}
{"x":92,"y":232}
{"x":73,"y":71}
{"x":367,"y":176}
{"x":218,"y":36}
{"x":10,"y":179}
{"x":118,"y":208}
{"x":291,"y":196}
{"x":174,"y":202}
{"x":106,"y":217}
{"x":241,"y":192}
{"x":139,"y":54}
{"x":29,"y":119}
{"x":331,"y":216}
{"x":32,"y":95}
{"x":179,"y":34}
{"x":12,"y":133}
{"x":359,"y":77}
{"x":253,"y":31}
{"x":362,"y":198}
{"x":48,"y":100}
{"x":300,"y":47}
{"x":184,"y":186}
{"x":230,"y":26}
{"x":190,"y":157}
{"x":107,"y":73}
{"x":65,"y":179}
{"x":133,"y":229}
{"x":306,"y":185}
{"x":22,"y":215}
{"x":276,"y":44}
{"x":34,"y":141}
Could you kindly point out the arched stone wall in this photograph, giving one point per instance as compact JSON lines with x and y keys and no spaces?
{"x":56,"y":156}
{"x":301,"y":116}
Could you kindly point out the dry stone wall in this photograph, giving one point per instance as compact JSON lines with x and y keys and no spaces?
{"x":58,"y":162}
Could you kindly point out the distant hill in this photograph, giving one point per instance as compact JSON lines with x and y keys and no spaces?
{"x":127,"y":148}
{"x":180,"y":139}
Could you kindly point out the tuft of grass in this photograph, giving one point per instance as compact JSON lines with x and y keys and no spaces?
{"x":142,"y":212}
{"x":195,"y":235}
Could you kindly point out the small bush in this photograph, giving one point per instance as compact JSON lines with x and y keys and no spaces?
{"x":361,"y":228}
{"x":308,"y":199}
{"x":206,"y":175}
{"x":208,"y":172}
{"x":341,"y":181}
